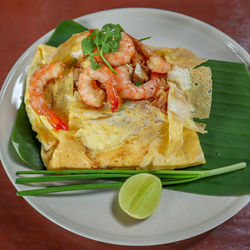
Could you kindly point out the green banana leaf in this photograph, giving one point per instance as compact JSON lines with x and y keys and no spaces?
{"x":227,"y":141}
{"x":24,"y":140}
{"x":64,"y":31}
{"x":228,"y":138}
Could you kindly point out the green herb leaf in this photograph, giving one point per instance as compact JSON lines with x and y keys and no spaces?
{"x":106,"y":48}
{"x":105,"y":40}
{"x":94,"y":34}
{"x":95,"y":65}
{"x":112,"y":30}
{"x":99,"y":38}
{"x":114,"y":46}
{"x":87,"y":46}
{"x":138,"y":83}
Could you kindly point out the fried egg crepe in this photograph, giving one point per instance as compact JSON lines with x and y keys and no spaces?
{"x":139,"y":135}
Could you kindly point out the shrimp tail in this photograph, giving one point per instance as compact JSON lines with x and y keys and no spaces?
{"x":56,"y":121}
{"x":141,"y":47}
{"x":113,"y":97}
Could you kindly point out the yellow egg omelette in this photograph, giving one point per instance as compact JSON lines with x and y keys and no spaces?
{"x":118,"y":130}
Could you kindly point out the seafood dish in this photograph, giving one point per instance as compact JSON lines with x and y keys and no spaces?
{"x":104,"y":99}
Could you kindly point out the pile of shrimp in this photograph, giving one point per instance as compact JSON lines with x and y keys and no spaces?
{"x":133,"y":63}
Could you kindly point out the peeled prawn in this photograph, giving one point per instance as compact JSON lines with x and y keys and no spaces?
{"x":128,"y":90}
{"x":123,"y":55}
{"x":89,"y":92}
{"x":37,"y":85}
{"x":92,"y":94}
{"x":155,"y":63}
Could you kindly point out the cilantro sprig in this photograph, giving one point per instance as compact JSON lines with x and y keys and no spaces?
{"x":105,"y":40}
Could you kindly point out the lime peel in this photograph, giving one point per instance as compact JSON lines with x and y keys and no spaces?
{"x":140,"y":195}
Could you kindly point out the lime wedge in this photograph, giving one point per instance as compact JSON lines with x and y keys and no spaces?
{"x":140,"y":195}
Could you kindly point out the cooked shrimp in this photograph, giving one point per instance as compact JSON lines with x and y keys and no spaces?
{"x":92,"y":94}
{"x":37,"y":85}
{"x":158,"y":64}
{"x":128,"y":90}
{"x":155,"y":62}
{"x":123,"y":55}
{"x":89,"y":92}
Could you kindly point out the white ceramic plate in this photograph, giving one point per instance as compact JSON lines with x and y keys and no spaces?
{"x":96,"y":215}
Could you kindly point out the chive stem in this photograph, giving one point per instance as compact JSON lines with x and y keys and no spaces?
{"x":25,"y":180}
{"x":168,"y":177}
{"x":216,"y":171}
{"x":145,"y":38}
{"x":173,"y":182}
{"x":64,"y":188}
{"x":223,"y":170}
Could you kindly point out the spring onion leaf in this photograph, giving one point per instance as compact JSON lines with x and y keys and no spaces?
{"x":26,"y":180}
{"x":63,"y":188}
{"x":167,"y":177}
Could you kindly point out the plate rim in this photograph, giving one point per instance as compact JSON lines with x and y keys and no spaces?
{"x":238,"y":205}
